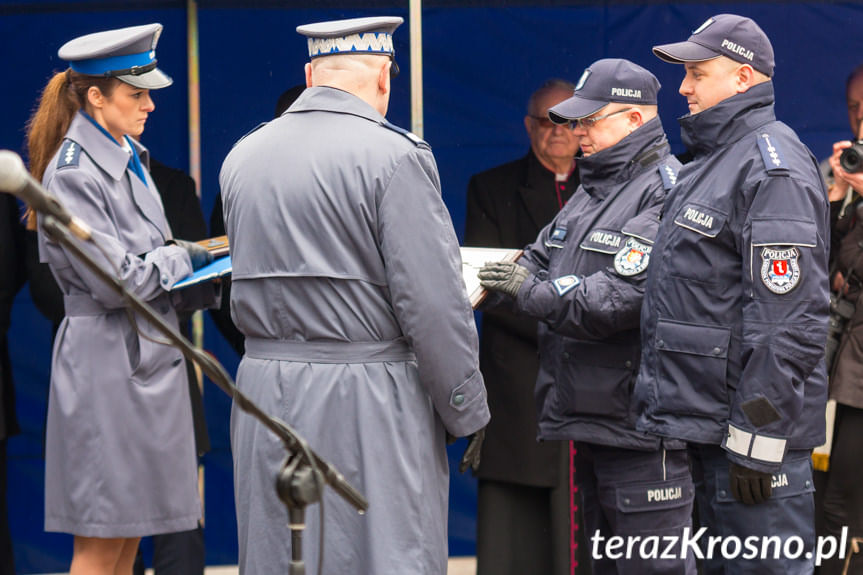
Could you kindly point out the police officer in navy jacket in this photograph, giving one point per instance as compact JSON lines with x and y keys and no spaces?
{"x":523,"y":499}
{"x":583,"y":278}
{"x":735,"y":313}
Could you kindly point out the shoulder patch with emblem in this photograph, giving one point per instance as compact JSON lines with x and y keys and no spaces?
{"x":565,"y":284}
{"x":406,"y":133}
{"x":633,"y":257}
{"x":771,"y":154}
{"x":780,"y":270}
{"x":668,"y":175}
{"x":70,"y":154}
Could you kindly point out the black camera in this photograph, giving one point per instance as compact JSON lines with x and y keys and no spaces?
{"x":841,"y":310}
{"x":851,"y":159}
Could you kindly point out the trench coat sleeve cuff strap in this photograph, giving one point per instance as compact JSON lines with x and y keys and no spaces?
{"x":467,"y":410}
{"x":172,"y":263}
{"x":754,"y":451}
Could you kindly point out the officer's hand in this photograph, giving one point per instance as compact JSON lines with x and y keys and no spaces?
{"x":470,"y":459}
{"x":748,"y":485}
{"x":503,"y":277}
{"x":197,"y":253}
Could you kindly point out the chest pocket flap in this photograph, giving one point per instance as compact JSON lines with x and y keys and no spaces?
{"x":643,"y":226}
{"x":706,"y":221}
{"x":779,"y":231}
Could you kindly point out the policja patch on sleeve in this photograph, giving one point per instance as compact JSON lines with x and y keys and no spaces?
{"x":780,"y":270}
{"x":633,"y":257}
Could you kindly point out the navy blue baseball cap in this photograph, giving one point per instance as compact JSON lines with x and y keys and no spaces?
{"x":605,"y":81}
{"x":128,"y":54}
{"x":730,"y":35}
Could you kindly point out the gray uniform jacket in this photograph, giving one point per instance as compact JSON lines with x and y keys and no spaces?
{"x":347,"y":285}
{"x":120,"y":452}
{"x":590,"y":264}
{"x":734,"y":320}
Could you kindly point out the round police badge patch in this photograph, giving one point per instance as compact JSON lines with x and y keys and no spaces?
{"x":633,"y":257}
{"x":780,"y":270}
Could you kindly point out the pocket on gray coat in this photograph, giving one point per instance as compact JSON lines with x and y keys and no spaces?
{"x":131,"y":341}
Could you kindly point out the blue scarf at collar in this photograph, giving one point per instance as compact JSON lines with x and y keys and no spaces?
{"x":134,"y":162}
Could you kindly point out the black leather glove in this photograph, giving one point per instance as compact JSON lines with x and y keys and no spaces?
{"x":503,"y":277}
{"x":197,"y":253}
{"x":471,"y":456}
{"x":748,"y":485}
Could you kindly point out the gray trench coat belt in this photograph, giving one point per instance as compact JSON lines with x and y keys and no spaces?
{"x":330,"y":351}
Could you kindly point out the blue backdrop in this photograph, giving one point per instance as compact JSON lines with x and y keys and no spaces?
{"x":481,"y":61}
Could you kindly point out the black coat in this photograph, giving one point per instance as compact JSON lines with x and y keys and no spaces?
{"x":11,"y":279}
{"x":507,"y":206}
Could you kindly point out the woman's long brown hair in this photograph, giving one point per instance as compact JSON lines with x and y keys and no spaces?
{"x":62,"y":97}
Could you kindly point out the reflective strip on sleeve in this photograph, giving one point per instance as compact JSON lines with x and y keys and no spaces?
{"x":768,"y":449}
{"x":738,"y":441}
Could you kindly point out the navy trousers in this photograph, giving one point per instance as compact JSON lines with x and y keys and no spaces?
{"x":788,"y":517}
{"x":643,"y":497}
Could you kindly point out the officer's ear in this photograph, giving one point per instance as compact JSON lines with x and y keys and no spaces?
{"x":384,"y":78}
{"x":308,"y":69}
{"x":744,"y":77}
{"x":95,"y":97}
{"x":636,"y":118}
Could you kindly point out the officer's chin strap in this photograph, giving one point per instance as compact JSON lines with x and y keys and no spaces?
{"x":301,"y":480}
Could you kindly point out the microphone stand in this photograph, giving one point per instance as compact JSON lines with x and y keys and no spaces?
{"x":300,"y":481}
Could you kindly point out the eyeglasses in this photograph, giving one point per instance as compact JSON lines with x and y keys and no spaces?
{"x":588,"y":123}
{"x":543,"y":121}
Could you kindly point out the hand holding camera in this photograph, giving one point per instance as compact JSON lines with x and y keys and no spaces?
{"x":846,"y":164}
{"x":851,"y":157}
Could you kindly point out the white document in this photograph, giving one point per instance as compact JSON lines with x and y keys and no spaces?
{"x":473,"y":259}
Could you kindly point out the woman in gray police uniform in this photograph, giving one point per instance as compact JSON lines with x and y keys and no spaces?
{"x":120,"y":453}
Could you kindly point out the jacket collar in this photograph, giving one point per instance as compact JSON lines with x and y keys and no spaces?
{"x":536,"y":171}
{"x":104,"y":151}
{"x":113,"y":159}
{"x":327,"y":99}
{"x":619,"y":163}
{"x":728,"y":121}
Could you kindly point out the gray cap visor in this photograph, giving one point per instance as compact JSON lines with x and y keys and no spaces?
{"x":152,"y":80}
{"x":687,"y":51}
{"x":574,"y":108}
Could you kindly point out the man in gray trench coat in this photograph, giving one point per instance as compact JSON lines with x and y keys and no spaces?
{"x":347,"y":286}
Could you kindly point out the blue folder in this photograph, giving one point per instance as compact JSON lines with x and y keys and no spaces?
{"x":219,"y":268}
